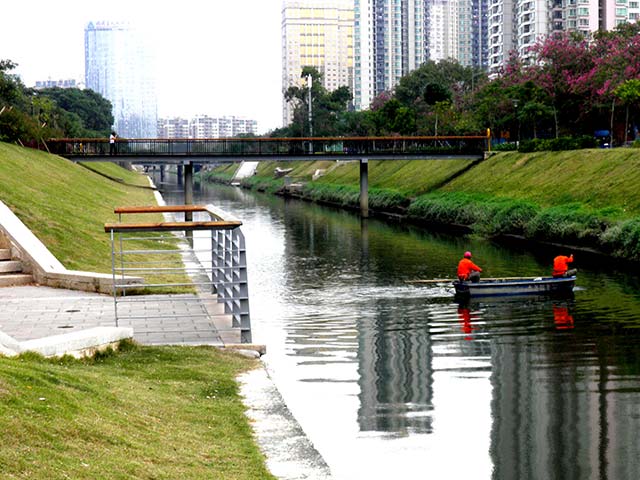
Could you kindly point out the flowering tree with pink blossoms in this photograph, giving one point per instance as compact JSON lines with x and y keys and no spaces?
{"x":574,"y":84}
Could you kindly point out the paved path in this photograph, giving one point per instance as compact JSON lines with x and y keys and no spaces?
{"x":32,"y":312}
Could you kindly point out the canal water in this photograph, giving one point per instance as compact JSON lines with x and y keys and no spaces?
{"x":391,"y":379}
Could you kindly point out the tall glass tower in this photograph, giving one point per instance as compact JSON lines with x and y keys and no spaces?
{"x":120,"y":68}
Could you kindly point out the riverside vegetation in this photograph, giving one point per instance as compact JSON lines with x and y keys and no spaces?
{"x":585,"y":198}
{"x":141,"y":412}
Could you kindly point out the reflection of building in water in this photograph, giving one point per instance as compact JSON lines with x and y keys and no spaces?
{"x":556,"y":421}
{"x":396,"y":377}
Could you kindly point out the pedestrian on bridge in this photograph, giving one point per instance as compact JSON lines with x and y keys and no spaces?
{"x":112,"y":143}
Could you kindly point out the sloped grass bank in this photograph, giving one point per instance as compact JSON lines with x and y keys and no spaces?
{"x":66,"y":205}
{"x":141,"y":412}
{"x":588,"y":198}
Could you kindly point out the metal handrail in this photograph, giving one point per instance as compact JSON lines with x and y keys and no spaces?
{"x":224,"y":272}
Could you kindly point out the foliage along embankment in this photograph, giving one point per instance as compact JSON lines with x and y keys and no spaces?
{"x":66,"y":205}
{"x":141,"y":412}
{"x":586,"y":198}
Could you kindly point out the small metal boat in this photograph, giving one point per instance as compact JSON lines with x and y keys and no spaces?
{"x":516,"y":286}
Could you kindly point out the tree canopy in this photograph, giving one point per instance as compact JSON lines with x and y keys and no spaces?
{"x":29,"y":115}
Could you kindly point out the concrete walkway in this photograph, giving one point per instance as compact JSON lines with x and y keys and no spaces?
{"x":33,"y":312}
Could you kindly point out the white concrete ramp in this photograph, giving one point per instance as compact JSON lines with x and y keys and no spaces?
{"x":246,"y":169}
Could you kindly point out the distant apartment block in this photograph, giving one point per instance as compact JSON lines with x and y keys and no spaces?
{"x":316,"y":33}
{"x":204,"y":126}
{"x":173,"y":128}
{"x":62,"y":83}
{"x":120,"y":67}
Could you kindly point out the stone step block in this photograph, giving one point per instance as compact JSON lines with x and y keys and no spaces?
{"x":10,"y":266}
{"x":16,"y":279}
{"x":5,"y":254}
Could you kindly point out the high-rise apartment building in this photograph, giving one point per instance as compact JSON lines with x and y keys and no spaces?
{"x":443,"y":41}
{"x":390,"y":40}
{"x":175,"y":127}
{"x":204,"y":126}
{"x":517,"y":25}
{"x":316,"y":33}
{"x":457,"y":29}
{"x":120,"y":68}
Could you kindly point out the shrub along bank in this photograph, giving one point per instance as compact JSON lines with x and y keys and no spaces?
{"x":587,"y":198}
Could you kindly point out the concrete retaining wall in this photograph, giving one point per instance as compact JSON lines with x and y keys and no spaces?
{"x":44,"y":266}
{"x":78,"y":344}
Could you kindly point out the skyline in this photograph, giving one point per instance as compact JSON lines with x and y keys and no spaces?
{"x":192,"y":45}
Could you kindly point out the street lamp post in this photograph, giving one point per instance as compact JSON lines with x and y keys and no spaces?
{"x":515,"y":105}
{"x":309,"y":84}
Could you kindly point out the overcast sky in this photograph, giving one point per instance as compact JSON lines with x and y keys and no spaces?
{"x":215,"y":57}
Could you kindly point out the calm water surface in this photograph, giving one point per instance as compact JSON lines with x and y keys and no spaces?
{"x":395,"y":380}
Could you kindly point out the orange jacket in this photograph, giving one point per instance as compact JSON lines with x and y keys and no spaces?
{"x":465,"y":267}
{"x":560,"y":265}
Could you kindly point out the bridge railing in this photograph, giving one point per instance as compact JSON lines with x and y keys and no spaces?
{"x":276,"y":147}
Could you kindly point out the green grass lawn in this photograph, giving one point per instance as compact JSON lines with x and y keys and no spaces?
{"x":66,"y":206}
{"x":595,"y":178}
{"x":142,"y":412}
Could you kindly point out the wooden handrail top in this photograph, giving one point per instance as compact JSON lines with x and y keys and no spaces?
{"x":170,"y":226}
{"x":161,"y":209}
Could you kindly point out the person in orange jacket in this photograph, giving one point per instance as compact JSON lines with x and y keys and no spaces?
{"x":467,"y":270}
{"x":561,"y":266}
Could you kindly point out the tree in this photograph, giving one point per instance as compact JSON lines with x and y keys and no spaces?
{"x":327,"y":107}
{"x":92,"y":109}
{"x":628,"y":93}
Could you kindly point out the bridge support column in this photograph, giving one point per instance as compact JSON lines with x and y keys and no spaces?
{"x":179,"y":173}
{"x":188,"y":189}
{"x":188,"y":196}
{"x":364,"y":187}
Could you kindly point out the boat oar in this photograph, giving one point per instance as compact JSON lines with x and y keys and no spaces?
{"x":497,"y":279}
{"x":434,"y":280}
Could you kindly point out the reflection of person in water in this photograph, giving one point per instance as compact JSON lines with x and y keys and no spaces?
{"x":562,"y":318}
{"x":465,"y":320}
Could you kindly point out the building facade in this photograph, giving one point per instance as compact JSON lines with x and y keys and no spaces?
{"x":175,"y":127}
{"x":517,"y":25}
{"x":120,"y":67}
{"x":204,"y":126}
{"x":62,"y":83}
{"x":390,"y":40}
{"x":316,"y":33}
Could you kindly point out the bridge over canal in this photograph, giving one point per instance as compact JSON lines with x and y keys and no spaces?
{"x":190,"y":152}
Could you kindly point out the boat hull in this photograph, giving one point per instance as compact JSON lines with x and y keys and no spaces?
{"x":537,"y":286}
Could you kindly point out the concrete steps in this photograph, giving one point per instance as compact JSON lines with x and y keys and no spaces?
{"x":11,"y":271}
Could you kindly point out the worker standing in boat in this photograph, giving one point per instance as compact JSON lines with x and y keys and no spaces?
{"x":467,"y":270}
{"x":561,"y":266}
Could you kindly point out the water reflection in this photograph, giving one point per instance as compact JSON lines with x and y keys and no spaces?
{"x":389,"y":378}
{"x":396,"y":376}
